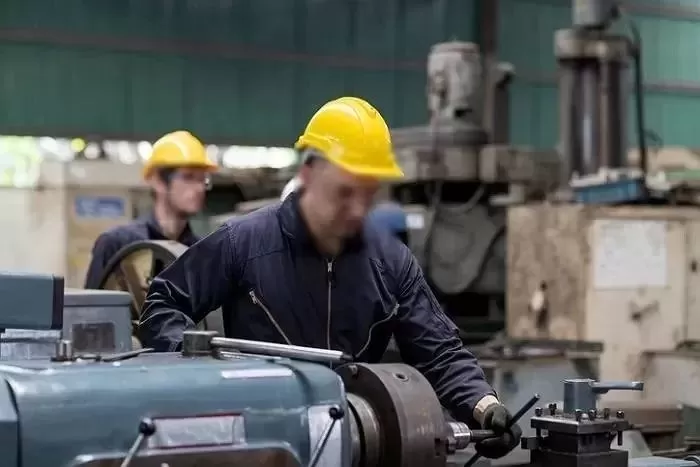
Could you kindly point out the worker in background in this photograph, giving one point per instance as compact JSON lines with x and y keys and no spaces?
{"x":178,"y":173}
{"x":387,"y":215}
{"x":309,"y":271}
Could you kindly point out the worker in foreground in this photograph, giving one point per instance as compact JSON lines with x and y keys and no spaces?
{"x":308,"y":271}
{"x":178,"y":173}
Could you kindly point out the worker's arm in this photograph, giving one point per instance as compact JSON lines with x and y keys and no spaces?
{"x":104,"y":249}
{"x":186,"y":291}
{"x":429,"y":341}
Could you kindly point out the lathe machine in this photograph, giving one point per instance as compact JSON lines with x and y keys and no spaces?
{"x":224,"y":402}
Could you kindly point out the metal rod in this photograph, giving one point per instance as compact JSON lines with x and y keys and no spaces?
{"x":126,"y":355}
{"x":518,"y":415}
{"x":310,"y":354}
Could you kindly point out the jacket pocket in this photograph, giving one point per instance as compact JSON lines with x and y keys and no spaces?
{"x":373,"y":329}
{"x":257,"y":302}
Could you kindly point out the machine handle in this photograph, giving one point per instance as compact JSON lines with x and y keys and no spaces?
{"x":602,"y":387}
{"x":518,"y":415}
{"x":481,"y":435}
{"x":310,"y":354}
{"x":581,"y":394}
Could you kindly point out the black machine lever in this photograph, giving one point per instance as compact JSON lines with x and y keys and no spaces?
{"x":489,"y":434}
{"x":146,"y":429}
{"x":580,"y":394}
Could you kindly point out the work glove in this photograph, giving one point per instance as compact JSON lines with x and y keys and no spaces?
{"x":497,"y":418}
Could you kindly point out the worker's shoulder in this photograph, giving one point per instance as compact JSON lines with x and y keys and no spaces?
{"x":258,"y":231}
{"x":385,"y":248}
{"x":250,"y":222}
{"x":122,"y":235}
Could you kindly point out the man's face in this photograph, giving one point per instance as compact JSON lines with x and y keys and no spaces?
{"x":187,"y":190}
{"x":340,"y":199}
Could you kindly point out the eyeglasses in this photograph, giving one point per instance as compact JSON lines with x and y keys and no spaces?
{"x":194,"y":178}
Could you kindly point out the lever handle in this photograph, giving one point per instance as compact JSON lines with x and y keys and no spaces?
{"x":602,"y":387}
{"x":580,"y":394}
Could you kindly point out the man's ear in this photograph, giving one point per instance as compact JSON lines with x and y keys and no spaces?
{"x":156,"y":184}
{"x":305,"y":173}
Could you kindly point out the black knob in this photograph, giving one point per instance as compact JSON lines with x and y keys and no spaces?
{"x":552,"y":409}
{"x":336,"y":413}
{"x":538,"y":411}
{"x":578,"y":413}
{"x":147,"y":427}
{"x":592,"y":414}
{"x":620,"y":414}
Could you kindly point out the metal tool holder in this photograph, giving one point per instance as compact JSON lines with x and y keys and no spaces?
{"x":580,"y":434}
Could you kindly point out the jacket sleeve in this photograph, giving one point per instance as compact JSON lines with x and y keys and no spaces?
{"x":103,"y":251}
{"x":429,"y":341}
{"x":195,"y":284}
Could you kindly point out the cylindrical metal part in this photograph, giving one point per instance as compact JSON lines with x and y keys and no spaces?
{"x":592,"y":100}
{"x":589,"y":119}
{"x":366,"y":432}
{"x":386,"y":426}
{"x":454,"y":81}
{"x":461,"y":436}
{"x":310,"y":354}
{"x":64,"y":351}
{"x":578,"y":395}
{"x":197,"y":343}
{"x":408,"y":437}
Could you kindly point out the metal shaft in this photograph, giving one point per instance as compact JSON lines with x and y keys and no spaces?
{"x":310,"y":354}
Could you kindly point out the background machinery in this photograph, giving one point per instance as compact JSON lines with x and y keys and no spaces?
{"x":615,"y":259}
{"x":459,"y":179}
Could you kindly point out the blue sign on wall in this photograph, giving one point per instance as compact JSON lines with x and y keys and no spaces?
{"x":99,"y":207}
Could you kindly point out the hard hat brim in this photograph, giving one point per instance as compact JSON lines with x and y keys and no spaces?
{"x":390,"y":173}
{"x":208,"y":166}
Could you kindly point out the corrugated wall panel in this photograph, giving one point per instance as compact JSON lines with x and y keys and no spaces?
{"x":249,"y":71}
{"x":670,"y":31}
{"x":533,"y":115}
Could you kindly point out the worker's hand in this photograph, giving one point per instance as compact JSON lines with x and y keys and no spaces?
{"x":497,"y":418}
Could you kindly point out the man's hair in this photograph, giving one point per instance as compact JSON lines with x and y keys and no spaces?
{"x":311,"y":157}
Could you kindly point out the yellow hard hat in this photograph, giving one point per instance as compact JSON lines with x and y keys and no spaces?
{"x":178,"y":149}
{"x":352,"y":134}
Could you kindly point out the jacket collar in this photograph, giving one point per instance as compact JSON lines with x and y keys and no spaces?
{"x":187,"y":237}
{"x":294,"y":226}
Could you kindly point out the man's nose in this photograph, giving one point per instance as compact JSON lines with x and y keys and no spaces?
{"x":358,"y":210}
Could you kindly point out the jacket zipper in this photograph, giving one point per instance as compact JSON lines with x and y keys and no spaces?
{"x":394,"y":310}
{"x":330,"y":295}
{"x":274,"y":322}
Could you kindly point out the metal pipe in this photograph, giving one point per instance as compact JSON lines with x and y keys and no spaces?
{"x":310,"y":354}
{"x":569,"y":150}
{"x":590,"y":121}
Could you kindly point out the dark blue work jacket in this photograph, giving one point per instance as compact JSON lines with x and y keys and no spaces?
{"x":113,"y":240}
{"x":272,"y":285}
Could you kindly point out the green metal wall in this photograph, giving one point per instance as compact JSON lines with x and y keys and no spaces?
{"x":244,"y":71}
{"x":670,"y":32}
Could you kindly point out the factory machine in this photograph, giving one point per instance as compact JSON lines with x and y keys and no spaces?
{"x":256,"y":403}
{"x":613,"y":257}
{"x":460,"y":176}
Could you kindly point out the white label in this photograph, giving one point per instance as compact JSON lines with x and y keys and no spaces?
{"x":214,"y":430}
{"x":415,"y":221}
{"x":630,"y":254}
